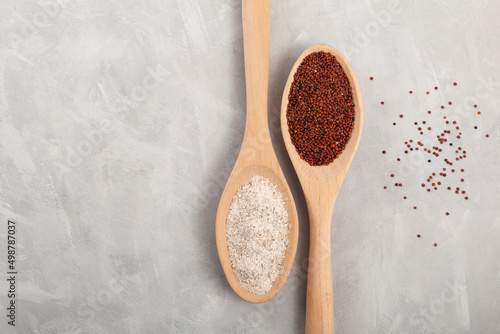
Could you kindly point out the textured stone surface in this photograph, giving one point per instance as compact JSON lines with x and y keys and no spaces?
{"x":120,"y":122}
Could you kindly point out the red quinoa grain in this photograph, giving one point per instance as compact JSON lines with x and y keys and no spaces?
{"x":320,"y":111}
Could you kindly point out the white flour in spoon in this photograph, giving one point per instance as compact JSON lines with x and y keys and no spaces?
{"x":257,"y":234}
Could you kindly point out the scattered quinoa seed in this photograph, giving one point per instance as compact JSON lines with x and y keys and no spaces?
{"x":449,"y":155}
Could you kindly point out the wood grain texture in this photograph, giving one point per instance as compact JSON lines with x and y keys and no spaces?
{"x":257,"y":155}
{"x":321,"y":185}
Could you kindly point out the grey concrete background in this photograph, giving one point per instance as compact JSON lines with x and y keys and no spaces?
{"x":120,"y":122}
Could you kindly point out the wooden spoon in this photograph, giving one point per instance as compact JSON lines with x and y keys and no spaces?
{"x":321,"y":185}
{"x":257,"y":154}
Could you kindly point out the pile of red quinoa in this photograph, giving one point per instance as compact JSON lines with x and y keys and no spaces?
{"x":320,"y":111}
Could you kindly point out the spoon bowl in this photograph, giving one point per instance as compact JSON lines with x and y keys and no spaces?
{"x":240,"y":175}
{"x":257,"y":155}
{"x":321,"y":185}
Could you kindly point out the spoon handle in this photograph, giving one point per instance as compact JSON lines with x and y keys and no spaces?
{"x":256,"y":35}
{"x":319,"y":307}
